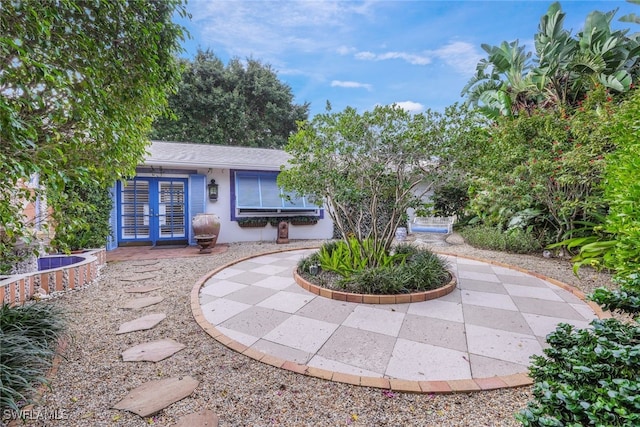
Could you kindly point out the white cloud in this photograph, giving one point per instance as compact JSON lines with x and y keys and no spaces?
{"x":345,"y":50}
{"x":408,"y":57}
{"x":350,"y":85}
{"x":410,"y":106}
{"x":462,"y":56}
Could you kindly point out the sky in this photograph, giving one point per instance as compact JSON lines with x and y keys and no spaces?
{"x":417,"y":54}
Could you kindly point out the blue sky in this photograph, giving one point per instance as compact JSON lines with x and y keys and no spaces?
{"x":418,"y":54}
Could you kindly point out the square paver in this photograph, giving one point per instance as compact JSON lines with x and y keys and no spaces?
{"x":546,"y":308}
{"x":484,"y":277}
{"x":488,"y":299}
{"x":522,"y":280}
{"x":496,"y":318}
{"x":227,"y":273}
{"x":437,"y":332}
{"x":585,"y":311}
{"x":566,"y":295}
{"x":221,"y":309}
{"x":453,"y":296}
{"x":375,"y":320}
{"x":275,"y":282}
{"x":220,"y":288}
{"x":532,"y":292}
{"x":248,"y":278}
{"x":364,"y":349}
{"x":265,"y":259}
{"x":332,"y":365}
{"x":485,"y":367}
{"x":255,"y":321}
{"x":327,"y":310}
{"x":437,"y":309}
{"x":503,"y":345}
{"x":240,"y":337}
{"x":250,"y":294}
{"x":480,"y":286}
{"x":544,"y":325}
{"x":302,"y":333}
{"x":476,"y":268}
{"x":423,"y":362}
{"x":288,"y":302}
{"x":271,"y":269}
{"x":282,"y":351}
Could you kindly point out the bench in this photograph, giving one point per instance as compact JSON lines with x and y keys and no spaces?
{"x":432,"y":224}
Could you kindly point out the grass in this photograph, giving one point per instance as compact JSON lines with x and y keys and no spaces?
{"x":28,"y":336}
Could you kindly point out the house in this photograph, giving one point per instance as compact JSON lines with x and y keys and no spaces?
{"x":179,"y":180}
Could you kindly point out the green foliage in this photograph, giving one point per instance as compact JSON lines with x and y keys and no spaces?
{"x":241,"y":104}
{"x":587,"y":377}
{"x":28,"y":335}
{"x":622,"y":188}
{"x":563,"y":68}
{"x":367,"y":168}
{"x":81,"y":83}
{"x":516,"y":241}
{"x":421,"y":271}
{"x":85,"y":200}
{"x":352,"y":256}
{"x":450,"y":196}
{"x":625,"y":299}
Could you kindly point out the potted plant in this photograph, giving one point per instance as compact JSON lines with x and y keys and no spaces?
{"x":254,"y":221}
{"x":303,"y":220}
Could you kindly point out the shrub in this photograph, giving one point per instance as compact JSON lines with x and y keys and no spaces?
{"x":516,"y":240}
{"x":352,"y":256}
{"x":28,"y":336}
{"x":421,"y":271}
{"x":587,"y":377}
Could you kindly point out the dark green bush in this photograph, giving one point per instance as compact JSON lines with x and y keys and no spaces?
{"x":423,"y":270}
{"x":587,"y":377}
{"x":28,"y":336}
{"x":516,"y":241}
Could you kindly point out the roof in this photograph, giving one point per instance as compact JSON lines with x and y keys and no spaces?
{"x":180,"y":154}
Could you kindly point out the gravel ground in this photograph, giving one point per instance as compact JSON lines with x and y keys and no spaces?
{"x":91,"y":378}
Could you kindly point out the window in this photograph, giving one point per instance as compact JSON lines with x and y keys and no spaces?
{"x":258,"y":194}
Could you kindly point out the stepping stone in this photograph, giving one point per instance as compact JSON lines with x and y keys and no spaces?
{"x":154,"y":396}
{"x":145,"y":263}
{"x":148,"y":270}
{"x":141,"y":323}
{"x":138,"y":303}
{"x":142,"y":289}
{"x":138,"y":278}
{"x":204,"y":418}
{"x":154,"y":351}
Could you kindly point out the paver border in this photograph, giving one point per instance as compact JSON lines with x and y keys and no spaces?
{"x":406,"y":386}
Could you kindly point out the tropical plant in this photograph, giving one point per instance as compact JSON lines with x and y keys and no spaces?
{"x":564,"y":68}
{"x":352,"y":256}
{"x":28,"y":336}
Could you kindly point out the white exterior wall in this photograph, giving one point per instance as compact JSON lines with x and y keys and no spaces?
{"x":230,"y":231}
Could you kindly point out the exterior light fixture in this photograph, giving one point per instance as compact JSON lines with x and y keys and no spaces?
{"x":213,"y":190}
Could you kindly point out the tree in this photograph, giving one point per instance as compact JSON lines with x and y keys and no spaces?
{"x":241,"y":104}
{"x":367,"y":168}
{"x":81,"y":83}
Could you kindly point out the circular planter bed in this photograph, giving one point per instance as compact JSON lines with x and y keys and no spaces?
{"x":375,"y":299}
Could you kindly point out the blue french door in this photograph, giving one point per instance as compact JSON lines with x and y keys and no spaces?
{"x":153,"y":210}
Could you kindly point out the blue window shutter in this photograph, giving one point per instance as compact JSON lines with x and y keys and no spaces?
{"x":197,"y":200}
{"x":112,"y":240}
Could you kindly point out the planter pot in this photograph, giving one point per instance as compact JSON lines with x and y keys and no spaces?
{"x":304,"y":222}
{"x":252,"y":224}
{"x":206,"y":227}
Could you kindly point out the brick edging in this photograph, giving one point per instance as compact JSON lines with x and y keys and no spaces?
{"x":375,"y":299}
{"x":407,"y":386}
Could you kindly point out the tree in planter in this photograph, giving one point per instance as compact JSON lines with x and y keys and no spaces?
{"x":365,"y":167}
{"x":81,"y":83}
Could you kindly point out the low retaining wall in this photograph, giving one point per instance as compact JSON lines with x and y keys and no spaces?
{"x":19,"y":288}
